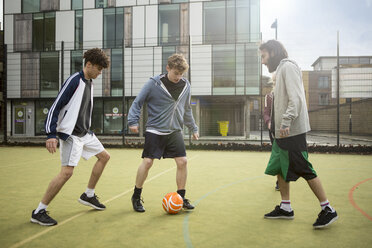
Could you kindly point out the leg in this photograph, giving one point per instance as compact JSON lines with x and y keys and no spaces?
{"x":284,"y":188}
{"x":143,"y":171}
{"x":317,"y":188}
{"x":57,"y":183}
{"x":97,"y":170}
{"x":181,"y":175}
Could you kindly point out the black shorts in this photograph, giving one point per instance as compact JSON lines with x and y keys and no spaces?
{"x":166,"y":146}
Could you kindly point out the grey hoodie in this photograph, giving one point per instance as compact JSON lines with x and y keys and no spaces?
{"x":289,"y":99}
{"x":165,"y":115}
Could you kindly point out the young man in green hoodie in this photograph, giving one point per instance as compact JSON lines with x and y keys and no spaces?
{"x":168,"y":106}
{"x":289,"y":124}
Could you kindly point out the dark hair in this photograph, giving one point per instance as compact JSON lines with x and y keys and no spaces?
{"x":97,"y":57}
{"x":276,"y":51}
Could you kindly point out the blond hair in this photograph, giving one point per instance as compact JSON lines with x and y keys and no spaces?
{"x":178,"y":62}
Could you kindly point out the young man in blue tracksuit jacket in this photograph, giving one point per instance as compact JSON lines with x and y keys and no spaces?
{"x":70,"y":118}
{"x":168,"y":106}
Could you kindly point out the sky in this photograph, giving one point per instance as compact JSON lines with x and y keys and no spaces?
{"x":308,"y":28}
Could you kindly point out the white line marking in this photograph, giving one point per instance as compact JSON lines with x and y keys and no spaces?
{"x":85,"y":212}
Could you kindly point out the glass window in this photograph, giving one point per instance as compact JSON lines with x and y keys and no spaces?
{"x":105,"y":3}
{"x":41,"y":112}
{"x":180,"y":1}
{"x":49,"y":74}
{"x":223,"y":65}
{"x":43,"y":31}
{"x":252,"y":69}
{"x":97,"y":116}
{"x":113,"y":27}
{"x":323,"y":99}
{"x":119,"y":27}
{"x":242,"y":20}
{"x":353,"y":61}
{"x":343,"y":61}
{"x":78,"y":29}
{"x":76,"y":61}
{"x":169,"y":24}
{"x":116,"y":72}
{"x":49,"y":31}
{"x":364,"y":61}
{"x":230,"y":21}
{"x":167,"y":51}
{"x":113,"y":117}
{"x":38,"y":32}
{"x":214,"y":22}
{"x":254,"y":21}
{"x":323,"y":82}
{"x":76,"y":4}
{"x":108,"y":28}
{"x":29,"y":6}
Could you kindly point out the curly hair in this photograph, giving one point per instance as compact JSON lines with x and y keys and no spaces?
{"x":97,"y":57}
{"x":178,"y":62}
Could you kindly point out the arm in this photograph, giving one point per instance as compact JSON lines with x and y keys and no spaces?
{"x":293,"y":83}
{"x":189,"y":119}
{"x":62,"y":99}
{"x":267,"y":109}
{"x":135,"y":109}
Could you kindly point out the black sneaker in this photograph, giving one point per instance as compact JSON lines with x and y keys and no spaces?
{"x":42,"y":218}
{"x":91,"y":202}
{"x":277,"y":186}
{"x":325,"y":218}
{"x":279,"y":213}
{"x":137,"y":204}
{"x":187,"y":205}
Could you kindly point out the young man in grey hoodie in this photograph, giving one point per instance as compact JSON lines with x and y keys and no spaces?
{"x":168,"y":106}
{"x":289,"y":124}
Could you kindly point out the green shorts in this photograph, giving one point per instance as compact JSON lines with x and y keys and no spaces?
{"x":290,"y":164}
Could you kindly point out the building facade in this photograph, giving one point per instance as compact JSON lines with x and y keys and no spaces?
{"x":46,"y":40}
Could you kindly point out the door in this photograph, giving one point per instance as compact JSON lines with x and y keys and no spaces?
{"x":20,"y":120}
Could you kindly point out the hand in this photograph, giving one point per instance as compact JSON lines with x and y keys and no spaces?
{"x":133,"y":129}
{"x":195,"y":136}
{"x":51,"y":145}
{"x":284,"y":131}
{"x":269,"y":126}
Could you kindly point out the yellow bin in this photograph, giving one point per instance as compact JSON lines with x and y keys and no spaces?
{"x":223,"y":127}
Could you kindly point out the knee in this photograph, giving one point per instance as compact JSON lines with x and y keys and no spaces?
{"x":104,"y":156}
{"x":182,"y":162}
{"x":147,"y":163}
{"x":66,"y":174}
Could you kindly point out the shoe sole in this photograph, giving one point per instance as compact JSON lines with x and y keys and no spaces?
{"x":322,"y":226}
{"x":90,"y":204}
{"x":41,"y":223}
{"x":280,"y":217}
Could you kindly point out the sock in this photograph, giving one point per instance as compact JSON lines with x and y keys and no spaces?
{"x":40,"y":207}
{"x":137,"y":192}
{"x":325,"y":204}
{"x":182,"y":193}
{"x":286,"y":205}
{"x":89,"y":192}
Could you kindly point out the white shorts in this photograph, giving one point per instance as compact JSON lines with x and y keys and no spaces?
{"x":75,"y":147}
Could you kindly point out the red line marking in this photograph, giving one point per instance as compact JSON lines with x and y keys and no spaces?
{"x":351,"y":199}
